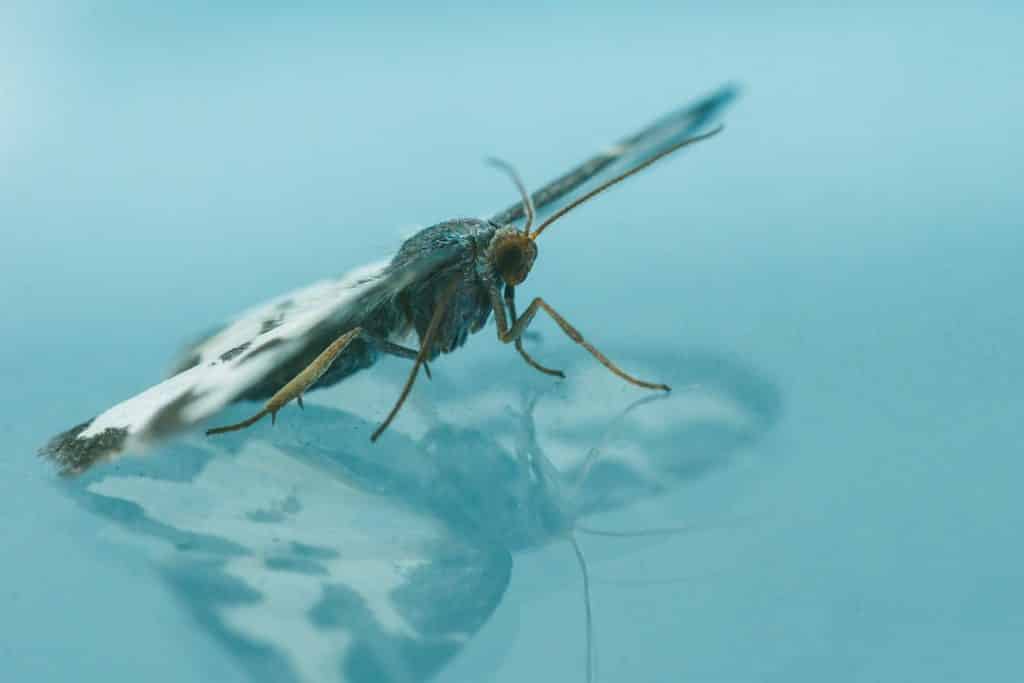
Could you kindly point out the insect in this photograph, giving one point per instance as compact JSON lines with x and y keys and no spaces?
{"x":311,"y":557}
{"x":444,"y":283}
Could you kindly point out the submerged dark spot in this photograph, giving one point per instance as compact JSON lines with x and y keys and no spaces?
{"x":265,"y":516}
{"x":207,"y":590}
{"x":135,"y":518}
{"x":340,"y":607}
{"x":231,"y":353}
{"x":276,"y":513}
{"x":74,"y":454}
{"x":378,"y":654}
{"x":295,"y":565}
{"x":314,"y":551}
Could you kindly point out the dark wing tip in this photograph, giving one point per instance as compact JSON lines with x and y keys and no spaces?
{"x":709,"y":107}
{"x":73,"y":454}
{"x":727,"y":92}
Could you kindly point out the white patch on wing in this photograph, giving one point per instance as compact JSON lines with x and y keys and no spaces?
{"x":137,"y":412}
{"x":281,"y":619}
{"x":373,"y":547}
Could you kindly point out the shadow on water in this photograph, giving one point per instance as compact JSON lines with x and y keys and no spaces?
{"x":311,"y":554}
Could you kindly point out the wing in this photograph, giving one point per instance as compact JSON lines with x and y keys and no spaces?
{"x":310,"y":555}
{"x":314,"y":299}
{"x":625,"y":154}
{"x":313,"y":556}
{"x":614,"y":445}
{"x":718,"y":410}
{"x":259,"y":347}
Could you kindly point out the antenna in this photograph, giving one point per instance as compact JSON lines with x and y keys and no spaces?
{"x":586,"y":606}
{"x":514,"y":175}
{"x":604,"y":186}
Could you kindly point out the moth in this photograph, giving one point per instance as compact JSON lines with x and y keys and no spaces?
{"x":311,"y":557}
{"x":443,"y":284}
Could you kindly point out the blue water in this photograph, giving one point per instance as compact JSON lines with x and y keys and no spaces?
{"x":852,"y":241}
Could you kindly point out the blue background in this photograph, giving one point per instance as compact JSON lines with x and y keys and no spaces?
{"x":855,"y":234}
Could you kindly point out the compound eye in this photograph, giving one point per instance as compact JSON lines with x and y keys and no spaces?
{"x":510,"y":262}
{"x":513,"y":257}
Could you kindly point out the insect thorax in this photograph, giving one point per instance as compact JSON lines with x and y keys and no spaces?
{"x":470,"y":306}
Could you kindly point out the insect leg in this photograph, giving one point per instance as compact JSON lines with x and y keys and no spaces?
{"x":297,"y":385}
{"x":309,"y":376}
{"x":510,"y":301}
{"x":421,"y":357}
{"x":510,"y":333}
{"x":395,"y":350}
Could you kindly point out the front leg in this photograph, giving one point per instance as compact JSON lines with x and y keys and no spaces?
{"x":512,"y":333}
{"x":510,"y":301}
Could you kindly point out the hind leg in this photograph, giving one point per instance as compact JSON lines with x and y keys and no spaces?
{"x":299,"y":384}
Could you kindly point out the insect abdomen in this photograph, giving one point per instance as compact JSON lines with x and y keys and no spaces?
{"x":359,"y":355}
